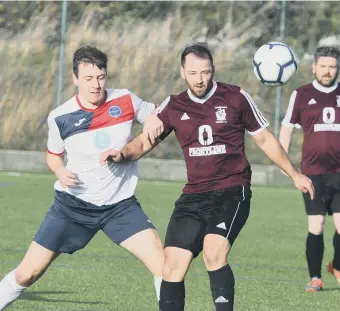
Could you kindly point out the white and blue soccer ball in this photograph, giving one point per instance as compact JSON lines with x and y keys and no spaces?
{"x":274,"y":63}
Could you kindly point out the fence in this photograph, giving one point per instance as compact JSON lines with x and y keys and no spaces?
{"x":155,"y":169}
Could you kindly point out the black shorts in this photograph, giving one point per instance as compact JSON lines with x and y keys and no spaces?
{"x":222,"y":212}
{"x":71,"y":223}
{"x":327,"y":195}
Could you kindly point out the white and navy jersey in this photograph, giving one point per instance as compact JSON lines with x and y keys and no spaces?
{"x":83,"y":134}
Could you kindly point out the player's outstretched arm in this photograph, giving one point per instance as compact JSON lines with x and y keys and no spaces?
{"x":133,"y":151}
{"x":274,"y":150}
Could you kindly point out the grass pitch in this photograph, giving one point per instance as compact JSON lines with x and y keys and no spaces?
{"x":267,"y":259}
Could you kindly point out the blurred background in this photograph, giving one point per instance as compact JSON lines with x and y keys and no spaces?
{"x":144,"y":41}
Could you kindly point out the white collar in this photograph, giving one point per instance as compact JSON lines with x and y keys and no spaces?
{"x":206,"y":97}
{"x":324,"y":89}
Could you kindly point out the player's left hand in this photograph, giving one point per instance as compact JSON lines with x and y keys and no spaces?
{"x":304,"y":184}
{"x":153,"y":127}
{"x":110,"y":155}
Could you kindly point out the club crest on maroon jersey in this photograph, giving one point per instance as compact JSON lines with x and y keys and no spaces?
{"x":221,"y":114}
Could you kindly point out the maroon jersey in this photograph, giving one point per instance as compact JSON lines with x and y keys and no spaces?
{"x":211,"y":133}
{"x":317,"y":110}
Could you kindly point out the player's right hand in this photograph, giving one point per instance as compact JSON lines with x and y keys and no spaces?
{"x":110,"y":155}
{"x":66,"y":178}
{"x":304,"y":184}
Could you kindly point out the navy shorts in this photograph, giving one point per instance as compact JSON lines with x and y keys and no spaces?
{"x":223,"y":212}
{"x":71,"y":223}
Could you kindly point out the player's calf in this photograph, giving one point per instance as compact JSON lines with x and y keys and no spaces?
{"x":15,"y":282}
{"x":334,"y":266}
{"x":147,"y":247}
{"x":26,"y":278}
{"x":32,"y":267}
{"x":215,"y":251}
{"x":314,"y":254}
{"x":172,"y":296}
{"x":222,"y":283}
{"x":336,"y":245}
{"x":10,"y":290}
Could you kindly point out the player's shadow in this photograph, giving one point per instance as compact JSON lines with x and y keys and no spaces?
{"x":331,"y":289}
{"x":36,"y":296}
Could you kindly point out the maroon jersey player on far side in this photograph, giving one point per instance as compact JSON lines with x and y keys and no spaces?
{"x":209,"y":119}
{"x":315,"y":108}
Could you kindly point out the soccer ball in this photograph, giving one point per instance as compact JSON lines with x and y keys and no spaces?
{"x":274,"y":63}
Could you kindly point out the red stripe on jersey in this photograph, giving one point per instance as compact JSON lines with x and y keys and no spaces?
{"x":57,"y":154}
{"x":113,"y":112}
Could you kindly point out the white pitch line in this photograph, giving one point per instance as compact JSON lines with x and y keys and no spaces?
{"x":20,"y":174}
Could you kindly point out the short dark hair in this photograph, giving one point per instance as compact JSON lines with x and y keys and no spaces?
{"x":90,"y":55}
{"x":327,"y":51}
{"x":200,"y":49}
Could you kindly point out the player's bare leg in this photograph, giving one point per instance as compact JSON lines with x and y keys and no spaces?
{"x":147,"y":247}
{"x":176,"y":265}
{"x":314,"y":251}
{"x":334,"y":265}
{"x":215,"y":252}
{"x":31,"y":268}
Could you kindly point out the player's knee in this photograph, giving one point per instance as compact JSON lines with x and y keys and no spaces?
{"x":174,"y":270}
{"x":25,"y":277}
{"x":316,"y":228}
{"x":215,"y":257}
{"x":176,"y":263}
{"x":336,"y":218}
{"x":316,"y":224}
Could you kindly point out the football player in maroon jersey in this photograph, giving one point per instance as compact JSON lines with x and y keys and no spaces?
{"x":315,"y":108}
{"x":209,"y":119}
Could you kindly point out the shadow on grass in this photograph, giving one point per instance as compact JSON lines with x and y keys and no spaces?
{"x":38,"y":296}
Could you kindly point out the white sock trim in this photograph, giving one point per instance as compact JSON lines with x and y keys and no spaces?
{"x":158,"y":282}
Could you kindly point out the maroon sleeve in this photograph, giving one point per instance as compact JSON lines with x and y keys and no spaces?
{"x":163,"y":115}
{"x":252,"y":118}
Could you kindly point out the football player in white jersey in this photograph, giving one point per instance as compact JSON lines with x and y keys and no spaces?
{"x":90,"y":197}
